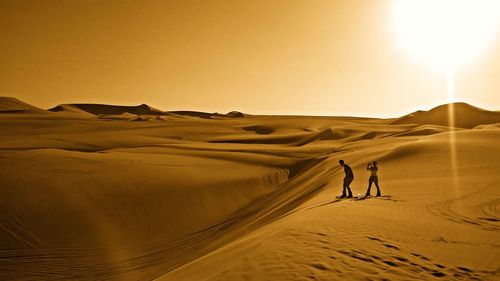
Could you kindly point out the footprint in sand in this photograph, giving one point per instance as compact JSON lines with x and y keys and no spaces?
{"x":390,"y":263}
{"x":319,"y":266}
{"x":391,"y":246}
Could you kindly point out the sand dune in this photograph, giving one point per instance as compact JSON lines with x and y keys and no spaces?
{"x":424,"y":130}
{"x":71,"y":109}
{"x":466,"y":116}
{"x":141,"y":112}
{"x":13,"y":105}
{"x":250,"y":198}
{"x":104,"y":109}
{"x":232,"y":114}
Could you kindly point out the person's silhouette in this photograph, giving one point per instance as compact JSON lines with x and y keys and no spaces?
{"x":373,"y":168}
{"x":349,"y":177}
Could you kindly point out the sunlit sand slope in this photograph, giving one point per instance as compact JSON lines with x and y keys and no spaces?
{"x":247,"y":198}
{"x":13,"y":105}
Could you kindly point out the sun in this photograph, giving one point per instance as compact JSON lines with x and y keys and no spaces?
{"x":446,"y":33}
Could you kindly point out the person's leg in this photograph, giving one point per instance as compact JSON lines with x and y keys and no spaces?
{"x":370,"y":181}
{"x":378,"y":188}
{"x":349,"y":188}
{"x":343,"y":189}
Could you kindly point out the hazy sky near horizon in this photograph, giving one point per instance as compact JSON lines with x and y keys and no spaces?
{"x":308,"y":57}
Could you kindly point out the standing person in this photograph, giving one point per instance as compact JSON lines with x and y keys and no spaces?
{"x":349,"y":177}
{"x":373,"y":168}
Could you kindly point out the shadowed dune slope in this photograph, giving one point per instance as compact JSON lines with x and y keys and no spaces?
{"x":122,"y":198}
{"x":466,"y":116}
{"x":104,"y":109}
{"x":232,"y":114}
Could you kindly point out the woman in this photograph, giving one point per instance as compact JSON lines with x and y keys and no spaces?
{"x":372,"y":167}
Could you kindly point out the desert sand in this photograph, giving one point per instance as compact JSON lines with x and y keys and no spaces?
{"x":101,"y":192}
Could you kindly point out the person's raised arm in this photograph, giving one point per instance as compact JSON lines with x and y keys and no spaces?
{"x":369,"y":166}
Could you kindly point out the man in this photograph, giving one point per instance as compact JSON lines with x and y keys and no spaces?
{"x":349,"y":177}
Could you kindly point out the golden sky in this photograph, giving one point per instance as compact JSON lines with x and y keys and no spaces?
{"x":308,"y":57}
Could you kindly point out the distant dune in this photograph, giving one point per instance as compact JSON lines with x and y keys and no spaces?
{"x":232,"y":114}
{"x":85,"y":194}
{"x":104,"y":109}
{"x":13,"y":105}
{"x":114,"y":111}
{"x":466,"y":116}
{"x":71,"y":109}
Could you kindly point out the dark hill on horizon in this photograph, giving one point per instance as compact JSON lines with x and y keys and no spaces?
{"x":143,"y":109}
{"x":232,"y":114}
{"x":105,"y":109}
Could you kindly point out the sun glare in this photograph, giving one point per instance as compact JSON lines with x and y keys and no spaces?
{"x":446,"y":33}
